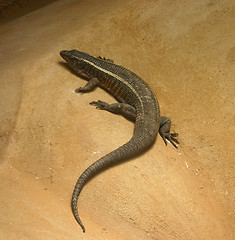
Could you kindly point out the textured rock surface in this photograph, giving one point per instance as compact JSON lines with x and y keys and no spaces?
{"x":49,"y":135}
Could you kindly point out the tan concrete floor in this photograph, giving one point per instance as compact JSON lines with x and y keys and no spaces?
{"x":185,"y":51}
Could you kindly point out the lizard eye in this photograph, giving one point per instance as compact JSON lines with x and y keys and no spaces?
{"x":73,"y":59}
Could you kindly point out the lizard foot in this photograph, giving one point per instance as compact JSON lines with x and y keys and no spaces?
{"x":171,"y":138}
{"x":106,"y":59}
{"x":100,"y":105}
{"x":81,"y":89}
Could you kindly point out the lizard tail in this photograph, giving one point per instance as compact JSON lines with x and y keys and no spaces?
{"x":132,"y":147}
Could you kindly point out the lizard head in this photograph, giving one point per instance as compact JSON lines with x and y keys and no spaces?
{"x":71,"y":57}
{"x":78,"y":61}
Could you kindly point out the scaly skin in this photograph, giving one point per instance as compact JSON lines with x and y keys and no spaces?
{"x":136,"y":102}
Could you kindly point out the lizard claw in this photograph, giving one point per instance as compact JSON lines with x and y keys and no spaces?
{"x":171,"y":138}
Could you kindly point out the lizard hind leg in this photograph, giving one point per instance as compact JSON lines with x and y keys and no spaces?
{"x":123,"y":109}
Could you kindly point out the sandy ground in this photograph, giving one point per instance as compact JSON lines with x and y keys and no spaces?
{"x":49,"y":135}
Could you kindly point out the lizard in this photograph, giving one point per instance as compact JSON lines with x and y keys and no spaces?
{"x":136,"y":102}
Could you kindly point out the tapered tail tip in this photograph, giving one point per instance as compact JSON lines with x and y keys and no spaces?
{"x":83,"y":228}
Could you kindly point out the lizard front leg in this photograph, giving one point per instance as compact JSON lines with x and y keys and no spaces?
{"x":92,"y":83}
